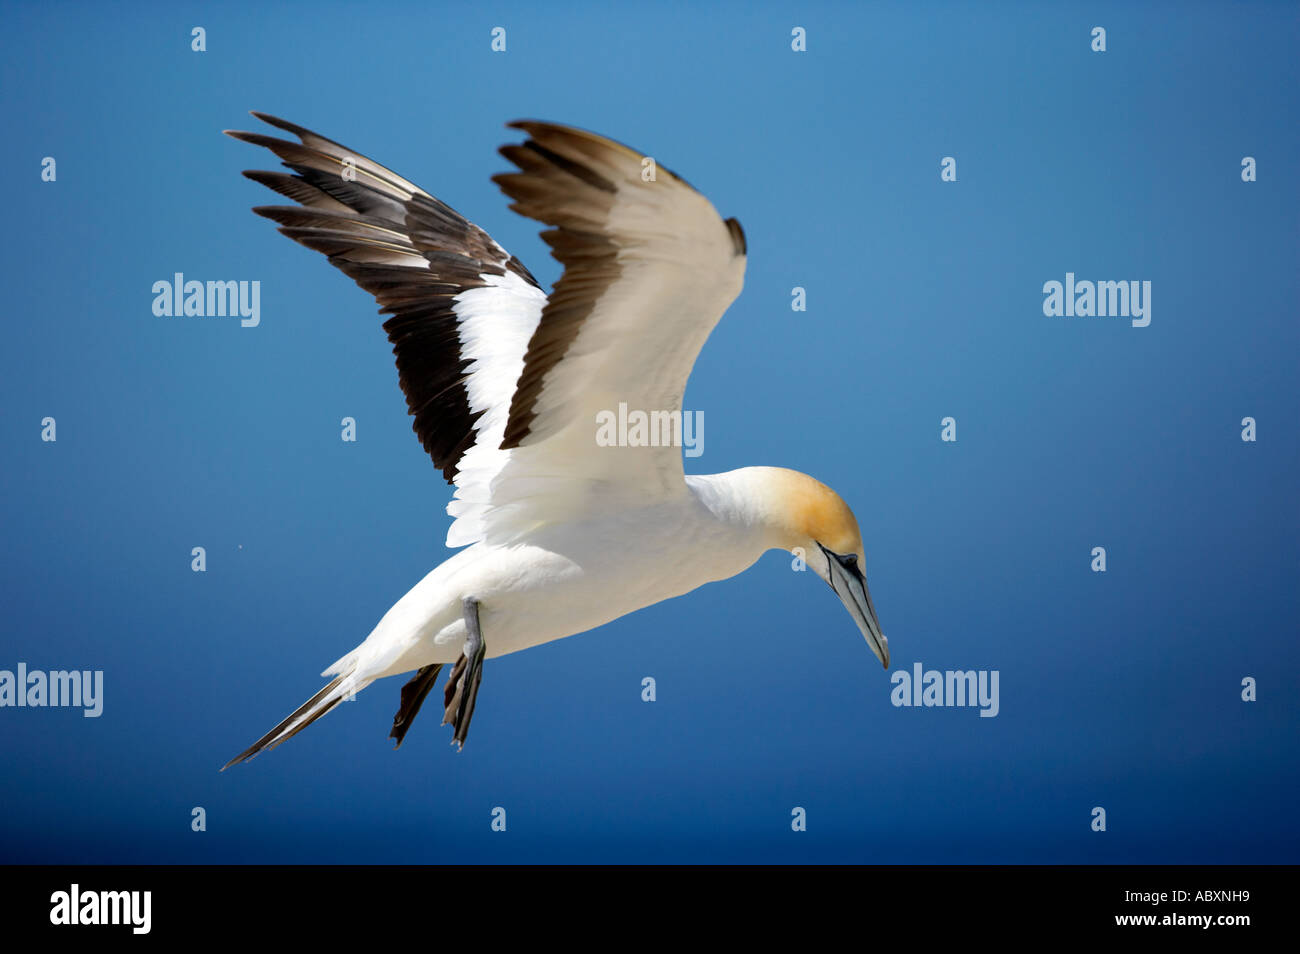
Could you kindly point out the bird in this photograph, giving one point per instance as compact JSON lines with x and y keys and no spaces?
{"x":555,"y":532}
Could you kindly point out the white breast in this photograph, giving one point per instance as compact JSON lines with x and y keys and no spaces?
{"x":564,"y":580}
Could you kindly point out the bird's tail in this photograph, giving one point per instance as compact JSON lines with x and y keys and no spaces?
{"x":340,"y":688}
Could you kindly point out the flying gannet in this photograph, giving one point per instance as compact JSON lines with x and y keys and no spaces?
{"x":506,"y":383}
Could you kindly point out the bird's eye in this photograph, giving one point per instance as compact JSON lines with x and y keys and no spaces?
{"x":849,"y":562}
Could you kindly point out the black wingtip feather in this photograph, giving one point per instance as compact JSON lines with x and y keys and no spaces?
{"x":431,"y":367}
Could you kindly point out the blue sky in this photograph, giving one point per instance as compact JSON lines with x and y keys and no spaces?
{"x":1119,"y":689}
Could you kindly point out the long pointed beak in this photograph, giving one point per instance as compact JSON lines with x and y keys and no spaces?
{"x":850,"y":586}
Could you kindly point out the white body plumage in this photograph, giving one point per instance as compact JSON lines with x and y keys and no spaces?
{"x":507,"y":384}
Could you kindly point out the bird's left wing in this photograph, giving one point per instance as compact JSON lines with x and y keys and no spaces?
{"x":462,"y":308}
{"x":649,"y":268}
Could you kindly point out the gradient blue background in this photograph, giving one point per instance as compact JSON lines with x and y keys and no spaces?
{"x":924,"y":300}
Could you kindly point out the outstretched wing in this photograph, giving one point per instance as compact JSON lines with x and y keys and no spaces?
{"x":462,"y":308}
{"x":649,"y":268}
{"x":506,"y":385}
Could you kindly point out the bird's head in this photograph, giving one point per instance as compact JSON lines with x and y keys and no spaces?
{"x":807,"y":516}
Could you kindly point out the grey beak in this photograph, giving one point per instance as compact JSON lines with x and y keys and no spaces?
{"x":850,"y":585}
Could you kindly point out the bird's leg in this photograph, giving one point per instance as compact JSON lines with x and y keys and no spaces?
{"x":462,"y":684}
{"x":413,"y":694}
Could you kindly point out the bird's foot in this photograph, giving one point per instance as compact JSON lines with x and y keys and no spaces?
{"x":413,"y":694}
{"x":462,"y":685}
